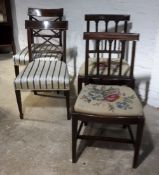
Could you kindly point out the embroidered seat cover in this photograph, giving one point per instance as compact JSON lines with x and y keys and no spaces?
{"x":109,"y":100}
{"x":43,"y":75}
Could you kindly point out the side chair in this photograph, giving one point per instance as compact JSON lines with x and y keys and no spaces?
{"x":21,"y":58}
{"x":108,"y":98}
{"x":103,"y":23}
{"x":43,"y":74}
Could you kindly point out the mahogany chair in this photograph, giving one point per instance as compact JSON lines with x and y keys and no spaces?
{"x":36,"y":14}
{"x":109,"y":97}
{"x":44,"y":74}
{"x":103,"y":23}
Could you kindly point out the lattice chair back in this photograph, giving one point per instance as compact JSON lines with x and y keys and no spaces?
{"x":45,"y":35}
{"x":37,"y":14}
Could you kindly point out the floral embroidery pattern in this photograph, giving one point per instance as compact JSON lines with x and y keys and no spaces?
{"x":104,"y":65}
{"x":112,"y":96}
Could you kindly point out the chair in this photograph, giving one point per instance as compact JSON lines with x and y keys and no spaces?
{"x":36,"y":14}
{"x":43,"y":74}
{"x":109,"y":98}
{"x":102,"y":23}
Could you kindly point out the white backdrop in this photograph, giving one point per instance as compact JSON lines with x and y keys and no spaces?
{"x":144,"y":16}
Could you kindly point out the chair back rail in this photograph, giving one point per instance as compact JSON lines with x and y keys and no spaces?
{"x":37,"y":12}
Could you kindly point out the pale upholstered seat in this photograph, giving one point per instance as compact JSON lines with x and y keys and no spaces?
{"x":103,"y":67}
{"x":41,"y":51}
{"x":43,"y":75}
{"x":108,"y":100}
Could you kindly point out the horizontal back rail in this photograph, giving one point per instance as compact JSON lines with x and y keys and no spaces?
{"x":47,"y":25}
{"x":106,"y":17}
{"x":107,"y":36}
{"x":45,"y":12}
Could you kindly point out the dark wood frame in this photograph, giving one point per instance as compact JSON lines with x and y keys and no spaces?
{"x":40,"y":25}
{"x":108,"y":80}
{"x":106,"y":18}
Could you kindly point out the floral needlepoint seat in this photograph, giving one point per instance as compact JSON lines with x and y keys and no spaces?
{"x":108,"y":100}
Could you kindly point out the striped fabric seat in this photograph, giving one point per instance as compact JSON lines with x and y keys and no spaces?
{"x":103,"y":67}
{"x":44,"y":52}
{"x":43,"y":75}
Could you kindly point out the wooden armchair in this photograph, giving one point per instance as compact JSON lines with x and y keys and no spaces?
{"x":44,"y":73}
{"x":102,"y":23}
{"x":108,"y":96}
{"x":36,"y":14}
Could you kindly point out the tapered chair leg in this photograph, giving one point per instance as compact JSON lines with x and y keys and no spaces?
{"x":74,"y":140}
{"x":18,"y":97}
{"x":16,"y":68}
{"x":67,"y":94}
{"x":139,"y":133}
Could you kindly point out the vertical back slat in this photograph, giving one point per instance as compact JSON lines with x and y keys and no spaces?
{"x":88,"y":26}
{"x":122,"y":57}
{"x":125,"y":26}
{"x":116,"y":30}
{"x":96,"y":25}
{"x":133,"y":58}
{"x":64,"y":46}
{"x":97,"y":49}
{"x":86,"y":57}
{"x":106,"y":30}
{"x":109,"y":56}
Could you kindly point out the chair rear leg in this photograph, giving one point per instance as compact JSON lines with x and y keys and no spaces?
{"x":139,"y":133}
{"x":16,"y":68}
{"x":74,"y":139}
{"x":79,"y":84}
{"x":18,"y":97}
{"x":67,"y":94}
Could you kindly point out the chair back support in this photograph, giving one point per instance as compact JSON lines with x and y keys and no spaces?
{"x":46,"y":35}
{"x":37,"y":14}
{"x":107,"y":22}
{"x":110,"y":69}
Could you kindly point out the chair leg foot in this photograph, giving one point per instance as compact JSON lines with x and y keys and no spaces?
{"x":35,"y":93}
{"x":67,"y":94}
{"x":74,"y":140}
{"x":19,"y":103}
{"x":139,"y":133}
{"x":21,"y":116}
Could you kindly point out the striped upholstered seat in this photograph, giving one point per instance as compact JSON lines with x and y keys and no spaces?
{"x":43,"y":75}
{"x":39,"y":51}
